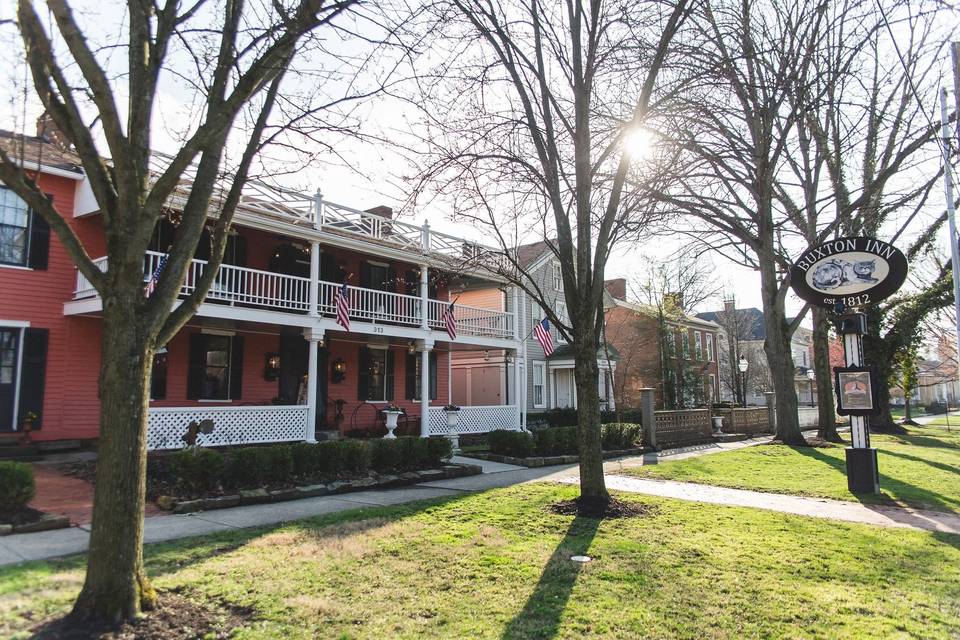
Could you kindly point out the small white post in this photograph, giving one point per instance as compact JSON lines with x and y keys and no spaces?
{"x":425,"y":237}
{"x":425,"y":388}
{"x":318,"y":210}
{"x":424,"y":298}
{"x":516,"y":313}
{"x":517,"y":382}
{"x":315,"y":252}
{"x":314,"y":338}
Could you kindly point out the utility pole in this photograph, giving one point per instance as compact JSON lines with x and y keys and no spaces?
{"x":946,"y":145}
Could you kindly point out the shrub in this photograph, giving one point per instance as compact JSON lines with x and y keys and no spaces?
{"x":625,"y":416}
{"x":387,"y":455}
{"x":245,"y":467}
{"x":936,"y":407}
{"x":197,"y":469}
{"x":511,"y":443}
{"x":438,"y":450}
{"x":17,"y":486}
{"x":620,"y":435}
{"x":413,"y":453}
{"x":354,"y":456}
{"x":278,"y":463}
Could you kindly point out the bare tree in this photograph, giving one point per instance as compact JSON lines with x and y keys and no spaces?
{"x":235,"y":57}
{"x":525,"y":133}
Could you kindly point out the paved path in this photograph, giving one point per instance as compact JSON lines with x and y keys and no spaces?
{"x":928,"y":418}
{"x":52,"y":544}
{"x":798,"y":505}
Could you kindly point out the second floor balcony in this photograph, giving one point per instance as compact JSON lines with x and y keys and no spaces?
{"x":243,"y":287}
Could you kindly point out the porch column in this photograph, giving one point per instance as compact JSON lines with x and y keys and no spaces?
{"x":314,"y":338}
{"x":516,"y":313}
{"x":424,"y":298}
{"x":425,"y":388}
{"x":315,"y":252}
{"x":517,"y":385}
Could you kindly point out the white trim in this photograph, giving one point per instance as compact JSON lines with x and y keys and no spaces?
{"x":376,"y":263}
{"x":53,"y":171}
{"x":218,"y":332}
{"x":378,"y":345}
{"x":542,"y":365}
{"x":16,"y":267}
{"x":14,"y":324}
{"x":212,"y":400}
{"x":16,"y":383}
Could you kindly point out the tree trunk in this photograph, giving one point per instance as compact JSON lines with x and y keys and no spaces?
{"x":907,"y":415}
{"x":779,"y":357}
{"x":116,"y":586}
{"x":826,"y":418}
{"x":593,"y":488}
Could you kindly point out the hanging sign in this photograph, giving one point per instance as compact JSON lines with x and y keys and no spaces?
{"x":848,"y":272}
{"x":856,"y":391}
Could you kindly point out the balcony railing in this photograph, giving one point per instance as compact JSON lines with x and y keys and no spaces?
{"x":242,"y":286}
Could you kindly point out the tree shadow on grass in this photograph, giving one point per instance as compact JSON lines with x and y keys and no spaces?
{"x":896,"y":490}
{"x":540,"y":617}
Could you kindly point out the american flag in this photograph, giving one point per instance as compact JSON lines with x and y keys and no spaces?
{"x":343,"y":306}
{"x":152,"y":282}
{"x":450,"y":322}
{"x":542,"y":333}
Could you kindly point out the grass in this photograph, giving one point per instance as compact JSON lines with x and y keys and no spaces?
{"x":921,"y":469}
{"x":496,"y":565}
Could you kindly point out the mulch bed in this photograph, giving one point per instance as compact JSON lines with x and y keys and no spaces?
{"x":177,"y":616}
{"x":614,"y":508}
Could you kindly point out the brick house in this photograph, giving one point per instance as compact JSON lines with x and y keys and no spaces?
{"x":263,"y":357}
{"x":634,"y":329}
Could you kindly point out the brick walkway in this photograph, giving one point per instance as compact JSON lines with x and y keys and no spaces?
{"x":65,"y":495}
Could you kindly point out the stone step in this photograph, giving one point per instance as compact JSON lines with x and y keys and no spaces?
{"x":730,"y":437}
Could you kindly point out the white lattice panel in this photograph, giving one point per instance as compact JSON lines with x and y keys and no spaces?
{"x":475,"y":420}
{"x":231,"y":425}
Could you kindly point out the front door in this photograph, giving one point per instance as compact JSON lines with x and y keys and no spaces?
{"x":9,"y":355}
{"x":293,"y":372}
{"x":565,"y":389}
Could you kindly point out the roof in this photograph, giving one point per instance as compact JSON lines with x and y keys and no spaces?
{"x":751,"y":319}
{"x":527,"y":254}
{"x":650,"y":310}
{"x":33,"y":149}
{"x":565,"y":352}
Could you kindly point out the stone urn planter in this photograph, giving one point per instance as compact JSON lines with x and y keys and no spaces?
{"x":717,"y":425}
{"x":453,"y":417}
{"x":392,"y":415}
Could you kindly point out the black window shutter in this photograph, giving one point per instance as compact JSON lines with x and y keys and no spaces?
{"x":392,"y":283}
{"x":390,"y":374}
{"x":363,"y":375}
{"x":39,"y":242}
{"x":328,"y":267}
{"x":433,"y":375}
{"x":203,"y":246}
{"x":196,"y":368}
{"x":365,"y":275}
{"x":236,"y":368}
{"x":410,"y":376}
{"x":412,"y":282}
{"x":34,"y":374}
{"x":158,"y":377}
{"x":236,"y":251}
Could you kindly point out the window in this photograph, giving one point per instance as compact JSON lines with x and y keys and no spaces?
{"x":685,"y":343}
{"x":709,"y":347}
{"x":24,"y":237}
{"x":711,"y":392}
{"x":216,"y":367}
{"x":375,"y":375}
{"x":561,"y":312}
{"x":698,"y":335}
{"x":539,"y":399}
{"x":557,"y":277}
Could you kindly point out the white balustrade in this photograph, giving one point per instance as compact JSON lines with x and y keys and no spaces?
{"x":474,"y":321}
{"x":372,"y":304}
{"x":476,"y":420}
{"x":84,"y":288}
{"x":166,"y":426}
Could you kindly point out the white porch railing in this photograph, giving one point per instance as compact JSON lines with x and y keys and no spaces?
{"x":280,"y":292}
{"x":231,"y":425}
{"x":476,"y":420}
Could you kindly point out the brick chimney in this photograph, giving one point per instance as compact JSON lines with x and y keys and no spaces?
{"x":617,"y":288}
{"x":382,"y":211}
{"x":49,"y":131}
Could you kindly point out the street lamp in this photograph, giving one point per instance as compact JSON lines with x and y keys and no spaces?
{"x":811,"y":376}
{"x":742,"y":364}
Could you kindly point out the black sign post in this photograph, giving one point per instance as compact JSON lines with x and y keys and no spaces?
{"x":845,"y":275}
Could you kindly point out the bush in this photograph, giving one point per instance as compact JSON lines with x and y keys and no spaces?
{"x":197,"y":469}
{"x":936,"y":407}
{"x":387,"y":455}
{"x":511,"y":443}
{"x":17,"y":486}
{"x":246,"y":467}
{"x":620,"y":435}
{"x":556,"y":442}
{"x":353,"y":456}
{"x":439,"y":449}
{"x":626,"y":415}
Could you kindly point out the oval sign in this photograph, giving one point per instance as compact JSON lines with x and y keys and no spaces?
{"x":851,"y":272}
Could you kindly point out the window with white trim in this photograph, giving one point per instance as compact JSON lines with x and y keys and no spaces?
{"x":14,"y":228}
{"x":561,"y":311}
{"x":557,"y":277}
{"x":698,"y":336}
{"x":709,"y":347}
{"x":539,"y":377}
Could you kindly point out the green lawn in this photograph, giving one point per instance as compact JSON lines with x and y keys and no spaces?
{"x":496,"y":565}
{"x":921,"y":469}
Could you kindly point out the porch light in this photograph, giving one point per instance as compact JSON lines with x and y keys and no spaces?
{"x":271,"y":370}
{"x":412,"y":347}
{"x":339,"y":370}
{"x":811,"y":374}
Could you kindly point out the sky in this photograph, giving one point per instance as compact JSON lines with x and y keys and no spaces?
{"x":372,"y":174}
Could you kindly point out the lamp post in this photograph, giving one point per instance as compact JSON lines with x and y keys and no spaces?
{"x":742,"y":365}
{"x":811,"y":376}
